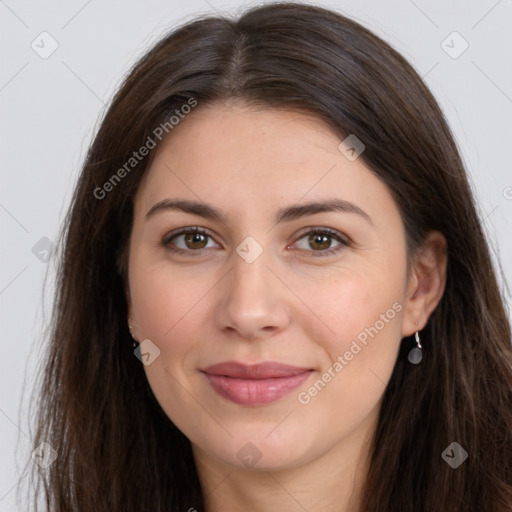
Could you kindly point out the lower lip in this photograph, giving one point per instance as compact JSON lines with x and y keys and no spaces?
{"x":255,"y":391}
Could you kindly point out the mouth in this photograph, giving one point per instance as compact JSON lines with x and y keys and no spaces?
{"x":254,"y":384}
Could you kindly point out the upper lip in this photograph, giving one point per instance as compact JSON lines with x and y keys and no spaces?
{"x":264,"y":370}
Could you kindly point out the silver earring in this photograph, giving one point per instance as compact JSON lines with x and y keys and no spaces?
{"x":135,"y":343}
{"x":130,"y":328}
{"x":416,"y":354}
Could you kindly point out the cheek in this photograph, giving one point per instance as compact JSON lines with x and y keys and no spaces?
{"x":169,"y":312}
{"x":164,"y":299}
{"x":358,"y":337}
{"x":348,"y":306}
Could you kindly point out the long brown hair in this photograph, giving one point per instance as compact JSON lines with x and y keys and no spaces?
{"x":116,"y":448}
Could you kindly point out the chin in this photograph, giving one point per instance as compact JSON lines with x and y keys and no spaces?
{"x":257,"y":453}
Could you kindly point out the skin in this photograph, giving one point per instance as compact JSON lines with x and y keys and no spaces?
{"x":289,"y":305}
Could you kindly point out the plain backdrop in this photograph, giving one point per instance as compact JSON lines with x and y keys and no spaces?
{"x":50,"y":104}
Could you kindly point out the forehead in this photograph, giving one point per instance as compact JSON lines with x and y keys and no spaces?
{"x":235,"y":156}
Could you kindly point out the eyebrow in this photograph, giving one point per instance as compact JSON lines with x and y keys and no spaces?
{"x":283,"y":215}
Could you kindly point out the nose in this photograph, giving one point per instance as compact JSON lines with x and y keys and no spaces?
{"x":253,"y":301}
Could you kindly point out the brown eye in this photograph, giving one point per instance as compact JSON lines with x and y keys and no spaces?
{"x":187,"y":240}
{"x":320,"y":241}
{"x":195,"y":240}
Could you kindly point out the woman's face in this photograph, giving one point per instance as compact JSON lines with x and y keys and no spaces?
{"x":264,"y":284}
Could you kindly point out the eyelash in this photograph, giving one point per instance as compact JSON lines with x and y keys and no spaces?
{"x":317,"y":254}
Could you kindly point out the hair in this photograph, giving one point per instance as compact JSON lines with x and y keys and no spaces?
{"x":117,"y":449}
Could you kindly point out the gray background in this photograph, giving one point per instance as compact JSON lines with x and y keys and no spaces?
{"x":50,"y":106}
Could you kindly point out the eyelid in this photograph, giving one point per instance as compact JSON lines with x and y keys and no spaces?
{"x":340,"y":237}
{"x":322,"y":229}
{"x":343,"y":240}
{"x":185,"y":231}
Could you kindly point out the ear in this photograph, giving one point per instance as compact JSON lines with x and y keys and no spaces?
{"x":426,"y":283}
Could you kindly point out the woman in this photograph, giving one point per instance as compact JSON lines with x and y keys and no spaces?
{"x":275,"y":292}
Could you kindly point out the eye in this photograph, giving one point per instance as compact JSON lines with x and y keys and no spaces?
{"x":187,"y":240}
{"x":194,"y":239}
{"x":320,"y":239}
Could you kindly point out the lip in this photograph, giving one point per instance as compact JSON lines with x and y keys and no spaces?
{"x":255,"y":384}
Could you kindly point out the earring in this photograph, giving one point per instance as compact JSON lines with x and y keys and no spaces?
{"x":130,"y":328}
{"x":416,"y":354}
